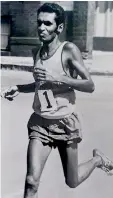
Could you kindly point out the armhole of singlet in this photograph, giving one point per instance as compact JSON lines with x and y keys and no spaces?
{"x":61,"y":57}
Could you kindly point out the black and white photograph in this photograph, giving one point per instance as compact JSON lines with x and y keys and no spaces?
{"x":56,"y":99}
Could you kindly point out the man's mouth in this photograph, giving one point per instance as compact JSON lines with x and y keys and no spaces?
{"x":42,"y":35}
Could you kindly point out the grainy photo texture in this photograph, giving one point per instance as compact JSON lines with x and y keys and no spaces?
{"x":57,"y":99}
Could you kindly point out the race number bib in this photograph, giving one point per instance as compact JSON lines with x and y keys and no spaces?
{"x":47,"y":100}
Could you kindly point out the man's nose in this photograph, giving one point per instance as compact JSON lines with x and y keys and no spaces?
{"x":42,"y":27}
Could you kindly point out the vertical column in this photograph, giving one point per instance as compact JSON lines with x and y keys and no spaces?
{"x":83,"y":25}
{"x":80,"y":24}
{"x":90,"y":27}
{"x":111,"y":21}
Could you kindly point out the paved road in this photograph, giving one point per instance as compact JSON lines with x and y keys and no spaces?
{"x":97,"y":118}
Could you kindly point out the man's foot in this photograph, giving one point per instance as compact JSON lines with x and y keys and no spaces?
{"x":107,"y":164}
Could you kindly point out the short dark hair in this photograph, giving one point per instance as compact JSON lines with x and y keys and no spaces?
{"x":53,"y":8}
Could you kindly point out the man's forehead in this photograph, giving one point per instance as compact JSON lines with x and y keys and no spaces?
{"x":46,"y":16}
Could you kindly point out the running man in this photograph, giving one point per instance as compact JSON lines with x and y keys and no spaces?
{"x":54,"y":123}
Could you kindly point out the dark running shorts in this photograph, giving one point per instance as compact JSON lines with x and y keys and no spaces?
{"x":49,"y":131}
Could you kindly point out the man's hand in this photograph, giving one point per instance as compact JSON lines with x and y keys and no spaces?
{"x":10,"y":93}
{"x":41,"y":74}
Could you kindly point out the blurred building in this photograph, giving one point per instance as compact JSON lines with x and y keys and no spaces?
{"x":89,"y":24}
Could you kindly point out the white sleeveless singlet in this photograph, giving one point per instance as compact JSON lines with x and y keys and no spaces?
{"x":46,"y":103}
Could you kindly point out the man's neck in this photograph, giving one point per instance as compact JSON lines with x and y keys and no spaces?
{"x":52,"y":46}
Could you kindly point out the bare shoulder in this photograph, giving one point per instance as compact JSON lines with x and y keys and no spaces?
{"x":71,"y":47}
{"x":73,"y":52}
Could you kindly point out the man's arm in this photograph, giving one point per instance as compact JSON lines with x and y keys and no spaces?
{"x":72,"y":57}
{"x":26,"y":88}
{"x":13,"y":91}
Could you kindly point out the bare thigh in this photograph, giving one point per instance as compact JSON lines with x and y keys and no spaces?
{"x":69,"y":158}
{"x":36,"y":158}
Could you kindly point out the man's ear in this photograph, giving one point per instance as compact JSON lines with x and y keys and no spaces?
{"x":60,"y":28}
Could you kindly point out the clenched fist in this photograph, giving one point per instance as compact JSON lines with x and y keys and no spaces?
{"x":10,"y":93}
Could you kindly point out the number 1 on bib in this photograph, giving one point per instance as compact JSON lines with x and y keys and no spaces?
{"x":47,"y":100}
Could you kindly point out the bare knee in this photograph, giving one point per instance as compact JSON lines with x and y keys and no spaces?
{"x":72,"y":179}
{"x":72,"y":184}
{"x":31,"y":183}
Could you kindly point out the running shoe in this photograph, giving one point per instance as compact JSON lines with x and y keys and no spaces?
{"x":107,"y":164}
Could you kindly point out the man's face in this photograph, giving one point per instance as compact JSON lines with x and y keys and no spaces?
{"x":46,"y":26}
